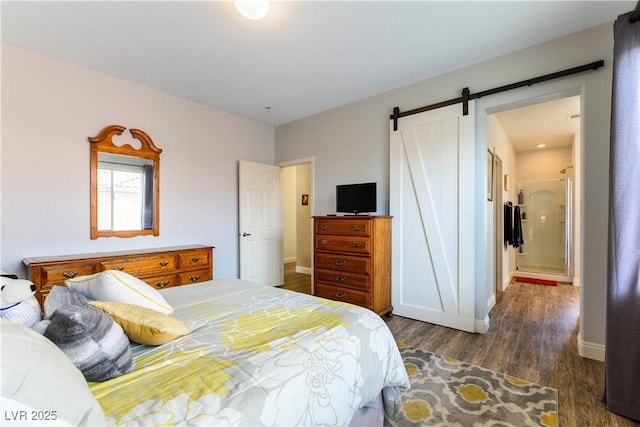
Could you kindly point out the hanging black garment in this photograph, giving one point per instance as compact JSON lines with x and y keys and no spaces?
{"x":508,"y":223}
{"x":517,"y":228}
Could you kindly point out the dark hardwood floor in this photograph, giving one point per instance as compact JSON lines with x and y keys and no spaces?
{"x":298,"y":282}
{"x":532,"y":335}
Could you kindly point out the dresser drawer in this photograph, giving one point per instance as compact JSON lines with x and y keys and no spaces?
{"x":343,"y":294}
{"x":343,"y":278}
{"x":56,"y":274}
{"x":331,"y":261}
{"x":142,"y":266}
{"x":163,"y":281}
{"x":195,"y":276}
{"x":346,"y":227}
{"x":355,"y":244}
{"x":194,"y":259}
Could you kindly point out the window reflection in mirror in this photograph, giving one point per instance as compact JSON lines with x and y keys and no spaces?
{"x":125,"y":193}
{"x":124,"y":185}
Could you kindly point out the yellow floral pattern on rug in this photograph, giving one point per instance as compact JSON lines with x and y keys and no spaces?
{"x":448,"y":392}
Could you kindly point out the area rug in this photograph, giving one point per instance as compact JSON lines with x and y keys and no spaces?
{"x":448,"y":392}
{"x":536,"y":281}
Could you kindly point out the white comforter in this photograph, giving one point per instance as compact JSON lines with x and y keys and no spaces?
{"x":258,"y":356}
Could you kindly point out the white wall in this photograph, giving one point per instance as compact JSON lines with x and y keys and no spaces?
{"x":50,"y":107}
{"x":497,"y":139}
{"x":303,"y":217}
{"x":544,"y":164}
{"x":351,"y":143}
{"x":289,"y":205}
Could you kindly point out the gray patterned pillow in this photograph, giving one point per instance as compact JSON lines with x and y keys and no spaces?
{"x":96,"y":344}
{"x":59,"y":296}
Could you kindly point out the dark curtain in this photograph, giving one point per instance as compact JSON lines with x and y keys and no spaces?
{"x":147,"y":213}
{"x":622,"y":353}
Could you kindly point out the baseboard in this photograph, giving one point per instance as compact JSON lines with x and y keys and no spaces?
{"x":506,"y":284}
{"x":481,"y":326}
{"x":491,"y":303}
{"x":289,"y":260}
{"x":590,"y":350}
{"x":303,"y":270}
{"x":576,"y":281}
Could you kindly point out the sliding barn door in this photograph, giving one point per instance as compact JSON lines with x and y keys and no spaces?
{"x":260,"y":223}
{"x":432,"y":202}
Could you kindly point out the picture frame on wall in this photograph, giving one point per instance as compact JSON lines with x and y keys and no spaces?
{"x":490,"y":157}
{"x":305,"y":199}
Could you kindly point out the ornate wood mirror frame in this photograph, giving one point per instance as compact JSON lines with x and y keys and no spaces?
{"x":140,"y":187}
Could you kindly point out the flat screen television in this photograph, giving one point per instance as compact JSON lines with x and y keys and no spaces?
{"x":356,"y":198}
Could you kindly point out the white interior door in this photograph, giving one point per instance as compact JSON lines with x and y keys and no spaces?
{"x":432,"y":204}
{"x":260,"y":223}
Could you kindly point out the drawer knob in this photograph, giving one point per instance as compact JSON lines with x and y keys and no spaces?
{"x":118,"y":268}
{"x":341,"y":262}
{"x":194,"y":278}
{"x":340,"y":294}
{"x":323,"y":242}
{"x":195,"y":259}
{"x":357,"y":244}
{"x":340,"y":278}
{"x":70,"y":274}
{"x":323,"y":226}
{"x":356,"y":227}
{"x":162,"y":284}
{"x":164,"y":263}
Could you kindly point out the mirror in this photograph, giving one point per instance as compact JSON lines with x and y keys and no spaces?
{"x":124,"y":185}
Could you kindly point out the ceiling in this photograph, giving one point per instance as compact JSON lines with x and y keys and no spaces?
{"x":303,"y":58}
{"x":552,"y":123}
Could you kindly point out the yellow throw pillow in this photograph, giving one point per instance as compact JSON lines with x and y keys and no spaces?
{"x":143,"y":325}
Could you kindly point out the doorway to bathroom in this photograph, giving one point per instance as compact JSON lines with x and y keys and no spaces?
{"x":544,"y":138}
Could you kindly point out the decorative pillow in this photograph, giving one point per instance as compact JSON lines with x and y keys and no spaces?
{"x":92,"y":340}
{"x":141,"y":324}
{"x":118,"y":286}
{"x":35,"y":373}
{"x":59,"y":296}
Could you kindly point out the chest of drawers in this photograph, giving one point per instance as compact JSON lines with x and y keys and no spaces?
{"x":352,"y":260}
{"x":159,"y":267}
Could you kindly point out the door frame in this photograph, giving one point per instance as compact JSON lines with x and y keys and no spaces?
{"x":510,"y":100}
{"x":312,"y":162}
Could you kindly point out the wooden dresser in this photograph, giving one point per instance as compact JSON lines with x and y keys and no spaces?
{"x":159,"y":267}
{"x":352,"y":260}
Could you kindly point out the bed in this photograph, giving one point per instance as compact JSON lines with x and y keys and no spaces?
{"x":258,"y":355}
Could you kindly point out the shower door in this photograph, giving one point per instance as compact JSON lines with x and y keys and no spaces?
{"x":546,"y":227}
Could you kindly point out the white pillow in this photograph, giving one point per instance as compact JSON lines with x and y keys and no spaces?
{"x":118,"y":286}
{"x":37,"y":374}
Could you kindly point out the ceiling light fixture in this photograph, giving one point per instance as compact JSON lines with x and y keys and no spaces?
{"x":541,"y":145}
{"x":252,"y":9}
